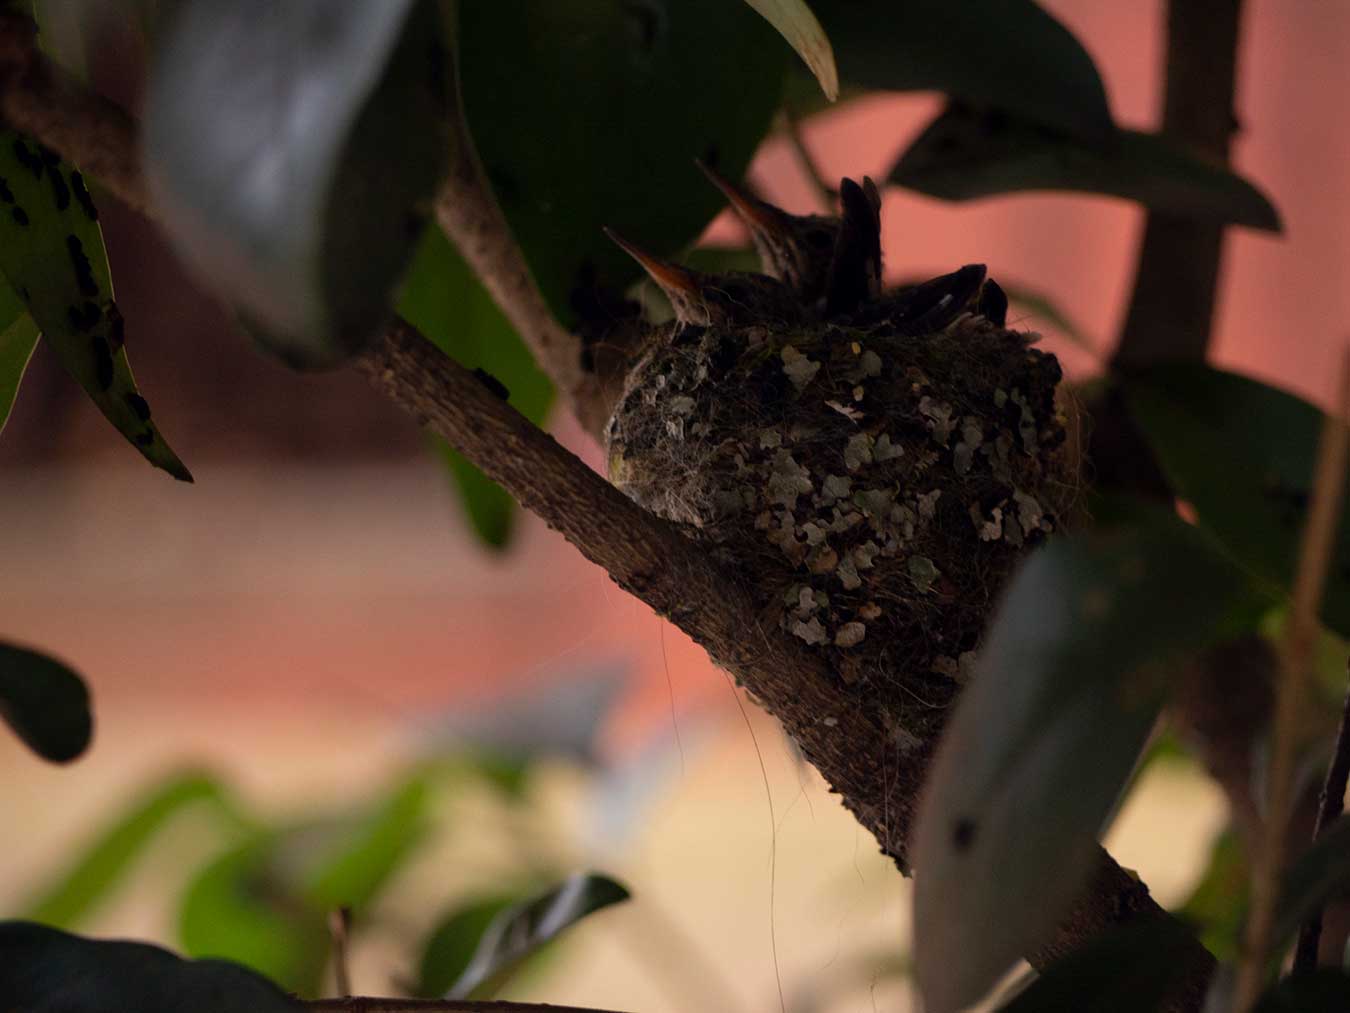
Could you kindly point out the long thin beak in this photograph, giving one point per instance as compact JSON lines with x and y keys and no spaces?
{"x":757,"y":214}
{"x":671,"y":277}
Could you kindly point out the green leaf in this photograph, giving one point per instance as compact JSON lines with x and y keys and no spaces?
{"x":1242,"y":454}
{"x":45,"y":970}
{"x":18,"y":338}
{"x":1009,"y":54}
{"x":1130,"y":968}
{"x":1071,"y":677}
{"x":1218,"y":904}
{"x":1322,"y":873}
{"x":353,"y":869}
{"x":965,"y":154}
{"x":100,"y":866}
{"x":522,"y":929}
{"x":240,"y":907}
{"x":45,"y":703}
{"x":590,"y":114}
{"x":452,"y":943}
{"x":795,"y":22}
{"x":1324,"y":990}
{"x":443,"y":299}
{"x":293,"y":150}
{"x":51,"y":252}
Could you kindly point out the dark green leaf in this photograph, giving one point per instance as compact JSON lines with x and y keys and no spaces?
{"x":1218,"y":904}
{"x":1325,"y":990}
{"x":240,"y":907}
{"x":51,"y":251}
{"x":293,"y":149}
{"x":453,"y":942}
{"x":1071,"y":677}
{"x":1321,"y":874}
{"x":520,"y":930}
{"x":45,"y":970}
{"x":98,"y":868}
{"x":1128,"y":969}
{"x":1009,"y":54}
{"x":444,"y":300}
{"x":351,"y":870}
{"x":591,"y":114}
{"x":1243,"y":455}
{"x":45,"y":703}
{"x":965,"y":154}
{"x":18,"y":338}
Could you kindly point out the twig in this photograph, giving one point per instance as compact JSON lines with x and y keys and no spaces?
{"x":1172,"y":309}
{"x":792,"y":131}
{"x":1330,"y":805}
{"x":339,"y":924}
{"x":374,"y":1004}
{"x":843,"y":738}
{"x":1318,"y":543}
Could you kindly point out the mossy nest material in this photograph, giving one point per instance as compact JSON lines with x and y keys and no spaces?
{"x":873,"y":488}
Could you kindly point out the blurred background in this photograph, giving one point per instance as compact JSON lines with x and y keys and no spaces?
{"x":311,"y":639}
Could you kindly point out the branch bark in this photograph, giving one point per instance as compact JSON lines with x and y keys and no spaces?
{"x":877,"y":779}
{"x":373,"y":1004}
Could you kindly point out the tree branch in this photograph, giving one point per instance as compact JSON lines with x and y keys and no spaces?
{"x":372,"y":1004}
{"x":877,"y":778}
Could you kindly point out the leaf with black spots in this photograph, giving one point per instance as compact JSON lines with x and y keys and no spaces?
{"x":45,"y":703}
{"x":51,"y":252}
{"x":1071,"y":677}
{"x":18,"y":338}
{"x":293,"y":150}
{"x":967,"y":153}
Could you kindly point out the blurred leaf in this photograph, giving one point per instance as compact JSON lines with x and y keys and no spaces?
{"x":292,"y":150}
{"x":240,"y":908}
{"x":1070,"y":679}
{"x":18,"y":338}
{"x":45,"y":703}
{"x":591,"y":114}
{"x":1218,"y":904}
{"x":1324,"y":990}
{"x":51,"y":251}
{"x":101,"y":865}
{"x":452,"y":943}
{"x":1127,"y":969}
{"x":443,"y":299}
{"x":965,"y":154}
{"x":1009,"y":54}
{"x":1242,"y":454}
{"x":369,"y":852}
{"x":795,"y":22}
{"x":1322,"y":873}
{"x":556,"y":717}
{"x":44,"y":970}
{"x":522,"y":929}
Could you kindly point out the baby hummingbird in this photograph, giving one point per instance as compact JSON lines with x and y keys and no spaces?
{"x":707,"y":300}
{"x":795,"y":249}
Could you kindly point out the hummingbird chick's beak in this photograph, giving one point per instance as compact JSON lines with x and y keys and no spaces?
{"x":759,"y":216}
{"x":682,"y":286}
{"x":855,"y":270}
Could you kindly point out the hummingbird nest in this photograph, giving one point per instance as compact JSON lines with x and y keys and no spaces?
{"x":872,"y":465}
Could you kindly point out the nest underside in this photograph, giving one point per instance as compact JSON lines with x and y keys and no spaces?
{"x":872,"y":489}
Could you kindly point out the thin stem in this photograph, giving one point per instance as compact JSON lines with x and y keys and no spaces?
{"x":375,"y":1004}
{"x":790,"y":127}
{"x":1330,"y":806}
{"x":339,"y":925}
{"x":1318,"y":542}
